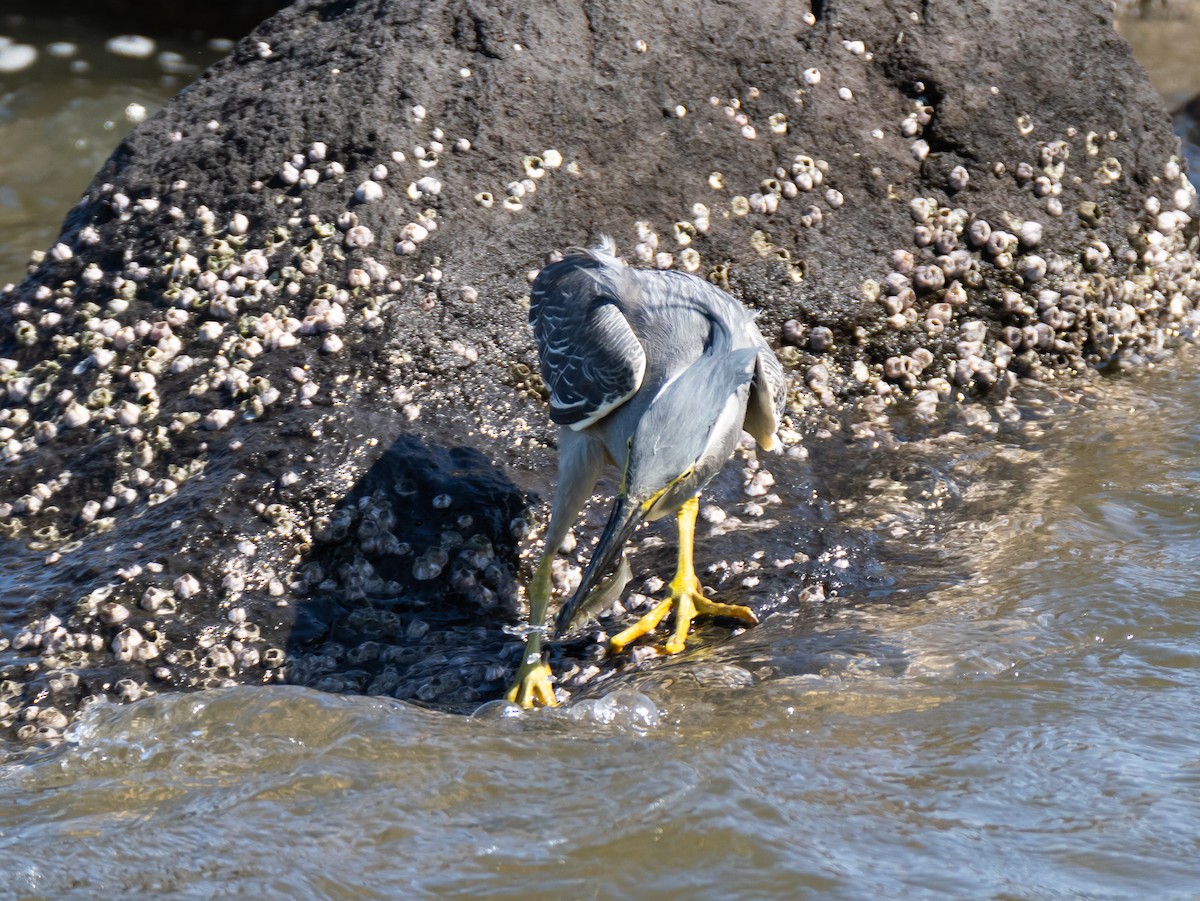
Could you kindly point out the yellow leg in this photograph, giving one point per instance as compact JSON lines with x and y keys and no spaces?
{"x":643,"y":626}
{"x":687,"y":595}
{"x":533,"y":683}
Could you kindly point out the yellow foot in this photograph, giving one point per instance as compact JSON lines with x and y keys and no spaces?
{"x":532,"y":685}
{"x":688,"y":600}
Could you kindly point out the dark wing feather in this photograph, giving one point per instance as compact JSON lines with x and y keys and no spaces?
{"x":591,"y":359}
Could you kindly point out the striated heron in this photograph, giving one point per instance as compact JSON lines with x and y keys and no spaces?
{"x":656,"y":372}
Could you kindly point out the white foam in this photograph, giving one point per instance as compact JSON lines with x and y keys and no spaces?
{"x":16,"y":57}
{"x":136,"y":46}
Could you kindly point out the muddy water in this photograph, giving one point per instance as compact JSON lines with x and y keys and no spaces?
{"x":62,"y":116}
{"x":1014,"y":715}
{"x":1167,"y":42}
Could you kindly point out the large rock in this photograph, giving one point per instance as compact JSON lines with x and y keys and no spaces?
{"x":273,"y":413}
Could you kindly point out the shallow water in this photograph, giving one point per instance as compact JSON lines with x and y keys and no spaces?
{"x":1032,"y":731}
{"x":1167,"y":42}
{"x":62,"y":116}
{"x":1016,"y":716}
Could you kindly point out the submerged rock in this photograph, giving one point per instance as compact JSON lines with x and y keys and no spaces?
{"x":273,"y":397}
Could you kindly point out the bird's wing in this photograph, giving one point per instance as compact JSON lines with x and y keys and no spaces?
{"x":768,"y":391}
{"x":768,"y":394}
{"x":591,"y":359}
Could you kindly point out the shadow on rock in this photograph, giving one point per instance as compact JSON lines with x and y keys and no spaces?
{"x":412,"y":579}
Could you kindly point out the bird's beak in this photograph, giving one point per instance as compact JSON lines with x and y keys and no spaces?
{"x":626,"y":516}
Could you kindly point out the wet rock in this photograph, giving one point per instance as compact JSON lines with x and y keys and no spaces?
{"x":230,"y":307}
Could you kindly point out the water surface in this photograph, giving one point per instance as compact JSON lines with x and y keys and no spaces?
{"x":61,"y":117}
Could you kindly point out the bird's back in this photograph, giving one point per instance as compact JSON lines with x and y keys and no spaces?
{"x":687,"y":317}
{"x":610,"y":338}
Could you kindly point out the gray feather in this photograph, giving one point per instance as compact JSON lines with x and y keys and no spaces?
{"x":590,"y":357}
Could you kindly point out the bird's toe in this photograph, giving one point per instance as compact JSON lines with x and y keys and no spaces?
{"x":533,"y":686}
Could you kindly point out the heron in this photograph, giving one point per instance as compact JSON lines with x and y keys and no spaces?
{"x":655,"y":372}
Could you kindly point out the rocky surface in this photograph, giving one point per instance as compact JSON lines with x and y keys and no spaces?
{"x":271,"y":410}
